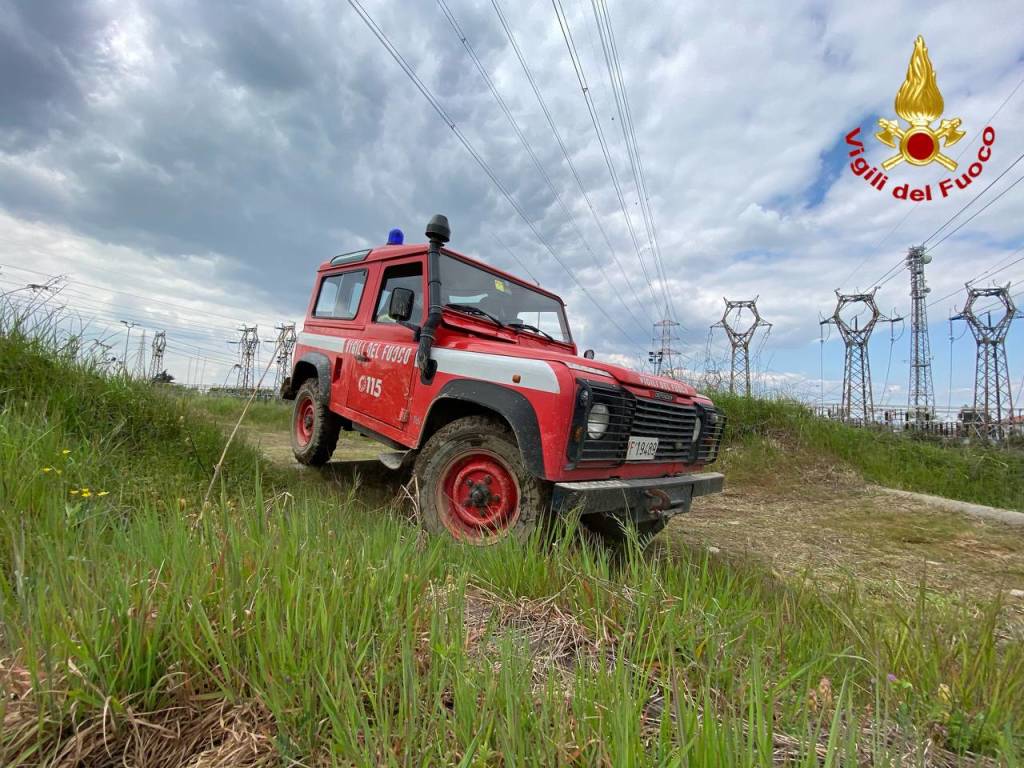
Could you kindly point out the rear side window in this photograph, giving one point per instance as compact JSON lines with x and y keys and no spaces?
{"x":340,"y":294}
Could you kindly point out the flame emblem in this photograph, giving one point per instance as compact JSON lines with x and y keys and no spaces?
{"x":919,"y":103}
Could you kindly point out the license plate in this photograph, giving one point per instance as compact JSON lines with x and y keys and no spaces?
{"x":641,"y":448}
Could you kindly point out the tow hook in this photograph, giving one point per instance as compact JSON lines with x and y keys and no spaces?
{"x":661,"y":499}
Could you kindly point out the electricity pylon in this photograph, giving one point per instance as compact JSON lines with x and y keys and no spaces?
{"x":921,"y":393}
{"x":140,"y":357}
{"x":858,"y":402}
{"x":156,"y":357}
{"x":663,"y":359}
{"x":285,"y":345}
{"x":993,"y":398}
{"x":247,"y":346}
{"x":740,"y":337}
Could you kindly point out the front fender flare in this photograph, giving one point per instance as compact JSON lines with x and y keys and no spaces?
{"x":510,"y":405}
{"x":322,"y":363}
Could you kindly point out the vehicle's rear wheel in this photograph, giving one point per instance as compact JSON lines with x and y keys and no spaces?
{"x":474,"y":486}
{"x":314,"y":428}
{"x":611,"y":532}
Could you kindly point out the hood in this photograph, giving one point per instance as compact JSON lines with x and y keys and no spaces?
{"x":628,"y":376}
{"x":579,"y":365}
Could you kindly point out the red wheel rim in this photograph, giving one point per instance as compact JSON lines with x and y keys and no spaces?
{"x":305,"y":415}
{"x":478,"y":497}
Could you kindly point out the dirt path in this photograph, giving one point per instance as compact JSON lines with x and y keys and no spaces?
{"x":840,"y":528}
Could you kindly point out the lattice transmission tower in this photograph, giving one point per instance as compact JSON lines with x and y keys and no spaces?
{"x":248,"y":344}
{"x":156,"y":356}
{"x":858,"y":401}
{"x":993,"y":396}
{"x":140,"y":357}
{"x":921,"y":393}
{"x":740,"y":335}
{"x":285,"y":345}
{"x":665,"y":358}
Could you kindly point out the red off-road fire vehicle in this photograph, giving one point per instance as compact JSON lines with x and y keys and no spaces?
{"x":472,"y":375}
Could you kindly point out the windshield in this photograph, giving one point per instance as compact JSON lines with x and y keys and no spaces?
{"x":510,"y":303}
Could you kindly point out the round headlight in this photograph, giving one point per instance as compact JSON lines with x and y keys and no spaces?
{"x":597,"y":421}
{"x":696,"y":430}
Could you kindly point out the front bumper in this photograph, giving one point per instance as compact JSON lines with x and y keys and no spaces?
{"x":639,"y":499}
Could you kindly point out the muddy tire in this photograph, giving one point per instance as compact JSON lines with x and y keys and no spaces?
{"x":314,"y":428}
{"x":609,"y":531}
{"x":474,"y":485}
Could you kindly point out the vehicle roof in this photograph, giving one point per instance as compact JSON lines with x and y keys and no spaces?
{"x":389,"y":252}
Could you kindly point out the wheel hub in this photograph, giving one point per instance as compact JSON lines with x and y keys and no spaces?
{"x":480,"y":496}
{"x":305,"y":418}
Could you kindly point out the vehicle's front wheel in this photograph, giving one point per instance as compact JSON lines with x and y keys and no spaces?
{"x":314,"y":428}
{"x":474,"y":485}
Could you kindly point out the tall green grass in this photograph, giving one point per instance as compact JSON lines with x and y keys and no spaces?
{"x":363,"y":641}
{"x":266,"y":414}
{"x":781,"y":432}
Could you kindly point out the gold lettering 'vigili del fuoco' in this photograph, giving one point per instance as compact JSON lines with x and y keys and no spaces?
{"x":919,"y":103}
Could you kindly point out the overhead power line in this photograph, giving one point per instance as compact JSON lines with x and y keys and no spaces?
{"x":443,"y":114}
{"x":993,"y":270}
{"x":974,"y":215}
{"x":970,"y":202}
{"x":565,"y":153}
{"x":99,"y":318}
{"x":151,"y":299}
{"x":611,"y":56}
{"x":895,"y":270}
{"x":453,"y":22}
{"x":577,"y":64}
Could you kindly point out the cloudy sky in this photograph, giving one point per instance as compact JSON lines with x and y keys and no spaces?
{"x":186,"y":165}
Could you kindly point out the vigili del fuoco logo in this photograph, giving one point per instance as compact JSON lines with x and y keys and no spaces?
{"x":917,"y":142}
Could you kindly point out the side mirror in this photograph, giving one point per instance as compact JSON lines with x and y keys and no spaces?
{"x":589,"y":354}
{"x":400,"y":304}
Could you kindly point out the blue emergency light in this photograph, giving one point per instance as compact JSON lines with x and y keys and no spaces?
{"x":395,"y":237}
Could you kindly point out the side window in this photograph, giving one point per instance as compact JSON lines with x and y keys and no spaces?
{"x":404,"y":276}
{"x":340,"y":294}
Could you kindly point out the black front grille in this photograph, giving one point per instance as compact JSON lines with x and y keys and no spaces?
{"x":711,"y":441}
{"x":671,"y":423}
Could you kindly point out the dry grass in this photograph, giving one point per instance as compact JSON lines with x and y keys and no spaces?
{"x":194,"y":730}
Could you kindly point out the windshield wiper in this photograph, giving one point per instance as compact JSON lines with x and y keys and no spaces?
{"x":470,"y":309}
{"x":519,"y":325}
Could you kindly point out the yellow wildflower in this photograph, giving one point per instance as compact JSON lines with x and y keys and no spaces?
{"x":86,"y":493}
{"x":66,"y":451}
{"x":47,"y":469}
{"x":103,"y":493}
{"x":74,"y":491}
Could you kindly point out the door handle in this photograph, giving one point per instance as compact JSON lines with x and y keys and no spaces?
{"x":360,"y":358}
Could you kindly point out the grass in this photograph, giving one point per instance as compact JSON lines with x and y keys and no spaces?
{"x":270,"y":414}
{"x":286,"y":624}
{"x":770,"y":432}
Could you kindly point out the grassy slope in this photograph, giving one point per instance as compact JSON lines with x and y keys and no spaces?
{"x":773,"y":433}
{"x":349,"y":630}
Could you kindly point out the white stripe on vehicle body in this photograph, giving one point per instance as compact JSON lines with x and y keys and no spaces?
{"x":499,"y":369}
{"x":332,"y":343}
{"x":534,"y":374}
